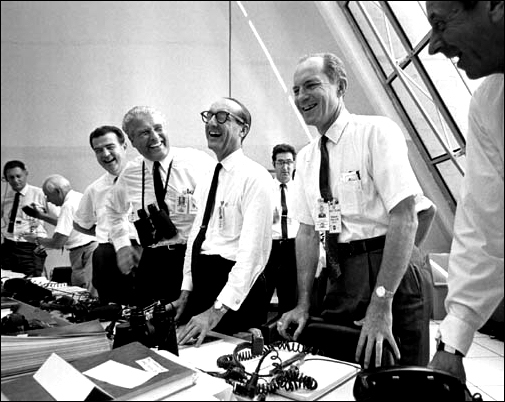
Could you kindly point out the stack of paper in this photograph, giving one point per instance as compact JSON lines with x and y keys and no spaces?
{"x":25,"y":354}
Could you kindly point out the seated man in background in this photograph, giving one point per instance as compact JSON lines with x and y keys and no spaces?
{"x":224,"y":286}
{"x":80,"y":246}
{"x":280,"y":272}
{"x":109,"y":146}
{"x":155,"y":188}
{"x":20,"y":254}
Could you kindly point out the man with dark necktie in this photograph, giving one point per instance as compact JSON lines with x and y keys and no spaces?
{"x":155,"y":188}
{"x":280,"y":272}
{"x":354,"y":183}
{"x":20,"y":254}
{"x":224,"y":287}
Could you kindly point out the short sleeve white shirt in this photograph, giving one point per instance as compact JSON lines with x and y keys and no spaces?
{"x":370,"y":174}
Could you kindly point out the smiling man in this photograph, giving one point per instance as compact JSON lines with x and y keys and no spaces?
{"x":109,"y":145}
{"x":224,"y":286}
{"x":164,"y":177}
{"x":358,"y":174}
{"x":473,"y":32}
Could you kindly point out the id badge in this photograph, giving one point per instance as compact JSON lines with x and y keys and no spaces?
{"x":335,"y":217}
{"x":181,"y":206}
{"x":322,"y":216}
{"x":193,"y":209}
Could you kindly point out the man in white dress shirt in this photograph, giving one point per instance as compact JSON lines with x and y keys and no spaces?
{"x":280,"y":272}
{"x":473,"y":31}
{"x":224,"y":286}
{"x":109,"y":146}
{"x":80,"y":246}
{"x":158,"y":270}
{"x":357,"y":170}
{"x":18,"y":253}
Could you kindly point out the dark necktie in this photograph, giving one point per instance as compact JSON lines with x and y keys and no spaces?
{"x":14,"y":211}
{"x":158,"y":187}
{"x":211,"y":198}
{"x":324,"y":171}
{"x":284,"y":215}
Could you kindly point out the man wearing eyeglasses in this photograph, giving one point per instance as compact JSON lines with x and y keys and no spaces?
{"x":280,"y":271}
{"x":224,"y":287}
{"x":357,"y":171}
{"x":161,"y":176}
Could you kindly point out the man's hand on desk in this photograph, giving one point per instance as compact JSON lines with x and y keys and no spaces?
{"x":198,"y":326}
{"x":298,"y":316}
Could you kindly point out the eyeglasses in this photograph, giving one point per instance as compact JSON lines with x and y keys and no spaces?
{"x":282,"y":163}
{"x":221,"y":116}
{"x":310,"y":86}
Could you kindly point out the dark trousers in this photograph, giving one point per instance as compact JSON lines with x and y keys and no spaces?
{"x":350,"y":292}
{"x":280,"y":274}
{"x":159,"y":274}
{"x":111,"y":284}
{"x":18,"y":256}
{"x":210,"y":274}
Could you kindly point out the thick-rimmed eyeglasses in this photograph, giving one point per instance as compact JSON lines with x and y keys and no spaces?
{"x":281,"y":163}
{"x":221,"y":116}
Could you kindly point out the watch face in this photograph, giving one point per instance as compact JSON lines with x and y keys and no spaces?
{"x":380,"y":291}
{"x":218,"y":305}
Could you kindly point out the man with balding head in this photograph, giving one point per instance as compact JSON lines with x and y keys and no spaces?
{"x":59,"y":192}
{"x":156,"y":187}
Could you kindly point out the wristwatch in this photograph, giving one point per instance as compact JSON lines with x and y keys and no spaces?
{"x":382,"y":293}
{"x":220,"y":307}
{"x":441,"y":346}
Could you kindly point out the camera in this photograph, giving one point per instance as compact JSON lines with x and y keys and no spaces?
{"x":154,"y":227}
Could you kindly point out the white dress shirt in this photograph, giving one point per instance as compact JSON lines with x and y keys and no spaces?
{"x":240,"y":227}
{"x":23,"y":223}
{"x":189,"y":166}
{"x":276,"y":201}
{"x":91,"y":209}
{"x":370,"y":174}
{"x":476,"y":260}
{"x":65,"y":224}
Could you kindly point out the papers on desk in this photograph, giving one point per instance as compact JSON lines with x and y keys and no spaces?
{"x":117,"y":374}
{"x":25,"y":354}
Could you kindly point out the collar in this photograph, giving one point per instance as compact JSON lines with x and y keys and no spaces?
{"x":337,"y":128}
{"x":165,"y":163}
{"x":278,"y":183}
{"x":23,"y":190}
{"x":233,"y":159}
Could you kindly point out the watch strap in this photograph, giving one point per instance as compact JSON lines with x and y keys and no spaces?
{"x":446,"y":348}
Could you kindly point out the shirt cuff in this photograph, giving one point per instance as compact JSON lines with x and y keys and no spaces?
{"x":457,"y":333}
{"x":230,"y":298}
{"x":121,"y":242}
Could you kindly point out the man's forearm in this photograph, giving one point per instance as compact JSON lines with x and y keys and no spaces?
{"x":307,"y":255}
{"x":397,"y":249}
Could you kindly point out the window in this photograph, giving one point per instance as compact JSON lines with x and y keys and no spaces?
{"x":432,"y":94}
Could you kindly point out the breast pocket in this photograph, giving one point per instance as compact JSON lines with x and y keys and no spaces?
{"x":350,"y":197}
{"x":230,"y":220}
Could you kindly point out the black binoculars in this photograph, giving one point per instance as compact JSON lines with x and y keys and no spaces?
{"x":154,"y":227}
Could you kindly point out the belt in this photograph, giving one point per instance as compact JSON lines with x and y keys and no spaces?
{"x":78,"y":247}
{"x":346,"y":250}
{"x":280,"y":241}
